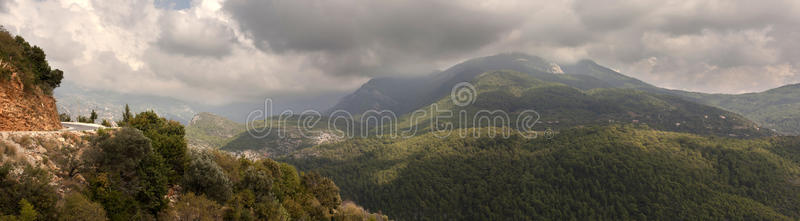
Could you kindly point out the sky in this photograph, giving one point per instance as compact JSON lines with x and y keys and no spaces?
{"x":217,"y":52}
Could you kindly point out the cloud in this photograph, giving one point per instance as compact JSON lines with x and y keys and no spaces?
{"x":355,"y":37}
{"x":3,"y":5}
{"x":194,"y":54}
{"x":186,"y":34}
{"x":222,"y":51}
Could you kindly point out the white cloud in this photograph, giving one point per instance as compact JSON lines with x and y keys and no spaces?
{"x":133,"y":47}
{"x":220,"y":51}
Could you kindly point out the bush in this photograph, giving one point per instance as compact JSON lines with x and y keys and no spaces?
{"x":63,"y":117}
{"x":84,"y":119}
{"x":193,"y":207}
{"x":106,"y":123}
{"x":78,"y":207}
{"x":204,"y":176}
{"x":32,"y":186}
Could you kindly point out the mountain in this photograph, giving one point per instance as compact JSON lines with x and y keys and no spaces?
{"x":776,"y":108}
{"x":612,"y":172}
{"x":209,"y":131}
{"x":559,"y":106}
{"x":403,"y":95}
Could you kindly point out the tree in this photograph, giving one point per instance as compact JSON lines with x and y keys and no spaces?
{"x":122,"y":152}
{"x":53,"y":78}
{"x":93,"y":116}
{"x":126,"y":116}
{"x":131,"y":179}
{"x":167,"y":138}
{"x":204,"y":176}
{"x":26,"y":211}
{"x":84,"y":119}
{"x":323,"y":189}
{"x":64,"y":117}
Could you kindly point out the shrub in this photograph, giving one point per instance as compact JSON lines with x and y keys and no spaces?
{"x":63,"y":117}
{"x":106,"y":123}
{"x":204,"y":176}
{"x":193,"y":207}
{"x":32,"y":185}
{"x":78,"y":207}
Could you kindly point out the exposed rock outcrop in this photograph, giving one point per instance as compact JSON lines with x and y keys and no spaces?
{"x":25,"y":109}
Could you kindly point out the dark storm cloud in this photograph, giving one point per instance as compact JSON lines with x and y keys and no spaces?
{"x":365,"y":37}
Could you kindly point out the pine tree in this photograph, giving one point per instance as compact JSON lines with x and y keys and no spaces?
{"x":93,"y":116}
{"x":126,"y":116}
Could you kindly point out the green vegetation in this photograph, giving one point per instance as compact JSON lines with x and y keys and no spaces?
{"x":560,"y":107}
{"x":29,"y":61}
{"x":167,"y":139}
{"x":64,"y":117}
{"x":132,"y":172}
{"x":776,"y":108}
{"x":84,"y":119}
{"x":286,"y":136}
{"x":78,"y":207}
{"x":126,"y":175}
{"x":93,"y":116}
{"x":210,"y":131}
{"x":106,"y":123}
{"x":613,"y":172}
{"x":28,"y":195}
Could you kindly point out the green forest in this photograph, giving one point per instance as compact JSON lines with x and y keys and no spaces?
{"x":616,"y":172}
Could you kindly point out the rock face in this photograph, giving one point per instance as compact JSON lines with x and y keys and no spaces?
{"x":24,"y":109}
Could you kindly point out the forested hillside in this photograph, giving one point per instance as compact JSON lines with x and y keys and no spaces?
{"x":144,"y":171}
{"x":403,"y":95}
{"x":209,"y":131}
{"x":559,"y":106}
{"x":614,"y":172}
{"x":776,"y":108}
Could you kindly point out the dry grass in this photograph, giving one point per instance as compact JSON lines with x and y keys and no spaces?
{"x":9,"y":153}
{"x":75,"y":138}
{"x":26,"y":141}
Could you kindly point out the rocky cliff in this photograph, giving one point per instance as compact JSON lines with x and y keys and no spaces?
{"x":25,"y":109}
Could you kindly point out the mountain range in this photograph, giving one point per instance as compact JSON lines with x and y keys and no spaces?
{"x":775,"y":109}
{"x":617,"y":148}
{"x":564,"y":96}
